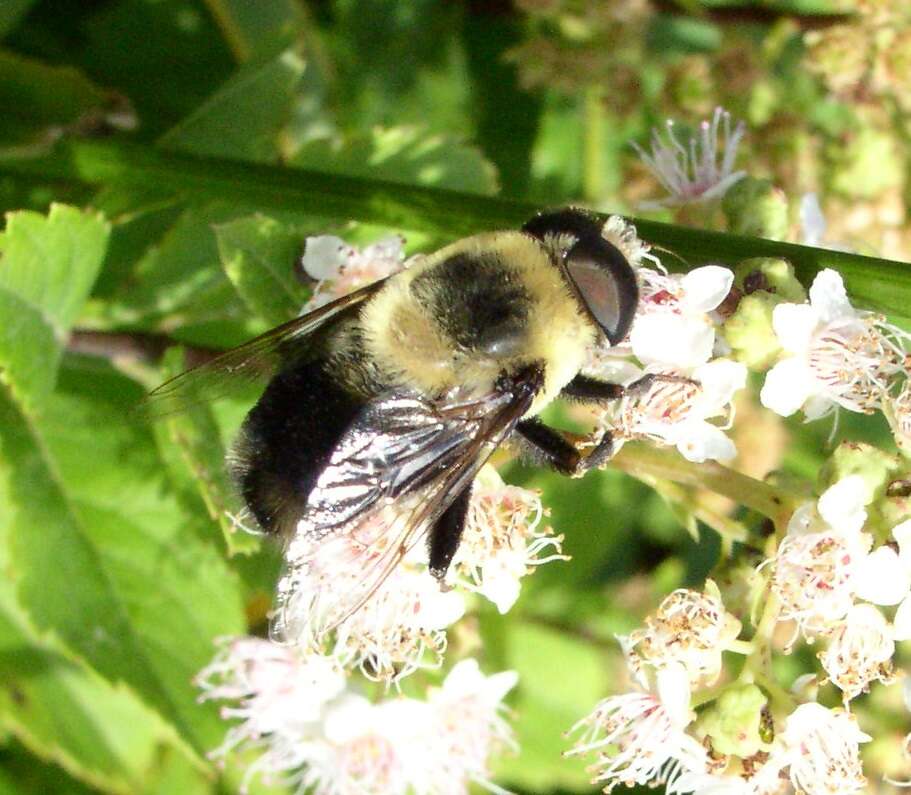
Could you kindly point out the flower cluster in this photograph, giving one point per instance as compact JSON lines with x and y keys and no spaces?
{"x":833,"y":355}
{"x":736,"y":742}
{"x":314,"y":733}
{"x":678,"y":387}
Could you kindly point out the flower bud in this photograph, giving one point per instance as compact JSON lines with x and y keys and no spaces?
{"x":771,"y":275}
{"x":881,"y":471}
{"x":749,"y":331}
{"x":757,"y":208}
{"x":734,"y":722}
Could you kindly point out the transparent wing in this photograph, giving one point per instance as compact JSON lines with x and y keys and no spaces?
{"x":408,"y":457}
{"x":252,"y":362}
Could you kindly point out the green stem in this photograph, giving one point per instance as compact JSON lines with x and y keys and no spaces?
{"x":645,"y":461}
{"x":879,"y":283}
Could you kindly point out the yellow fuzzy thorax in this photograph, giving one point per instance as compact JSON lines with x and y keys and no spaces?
{"x":404,"y":339}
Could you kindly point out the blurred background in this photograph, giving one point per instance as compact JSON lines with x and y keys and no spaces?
{"x":121,"y":567}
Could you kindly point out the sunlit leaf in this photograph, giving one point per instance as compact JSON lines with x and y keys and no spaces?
{"x":258,"y":254}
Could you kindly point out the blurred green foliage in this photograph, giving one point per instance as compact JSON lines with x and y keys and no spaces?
{"x":120,"y":566}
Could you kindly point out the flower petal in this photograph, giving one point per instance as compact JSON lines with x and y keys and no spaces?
{"x":842,"y":504}
{"x":829,"y":298}
{"x":881,"y":578}
{"x":700,"y":441}
{"x":720,"y":379}
{"x":323,"y":256}
{"x":787,"y":387}
{"x":676,"y":340}
{"x":902,"y":631}
{"x":794,"y":325}
{"x":705,"y":288}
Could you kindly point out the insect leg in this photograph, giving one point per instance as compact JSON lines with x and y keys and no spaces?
{"x":591,"y":389}
{"x":446,"y":533}
{"x":550,"y":446}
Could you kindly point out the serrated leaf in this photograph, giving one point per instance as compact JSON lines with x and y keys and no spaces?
{"x":135,"y":594}
{"x":402,"y":154}
{"x":196,"y":436}
{"x":66,"y":714}
{"x":52,"y":261}
{"x":258,"y":254}
{"x":29,"y":351}
{"x":244,"y":118}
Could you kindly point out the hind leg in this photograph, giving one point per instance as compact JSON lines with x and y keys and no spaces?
{"x":446,"y":534}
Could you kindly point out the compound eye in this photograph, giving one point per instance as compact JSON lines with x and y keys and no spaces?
{"x":606,"y":283}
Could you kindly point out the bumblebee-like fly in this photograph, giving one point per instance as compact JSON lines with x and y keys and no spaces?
{"x":399,"y":392}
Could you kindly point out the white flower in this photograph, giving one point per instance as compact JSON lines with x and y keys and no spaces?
{"x":884,"y":578}
{"x":689,"y":628}
{"x":501,"y":542}
{"x":339,"y":268}
{"x":821,"y":747}
{"x":673,"y":325}
{"x":281,"y":697}
{"x":859,"y":651}
{"x":692,"y":174}
{"x":364,"y":748}
{"x":676,"y":409}
{"x":466,"y":727}
{"x":836,"y":355}
{"x":640,"y":738}
{"x":315,"y":737}
{"x":814,"y":577}
{"x":324,"y":600}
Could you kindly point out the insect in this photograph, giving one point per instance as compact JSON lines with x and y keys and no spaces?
{"x":397,"y":394}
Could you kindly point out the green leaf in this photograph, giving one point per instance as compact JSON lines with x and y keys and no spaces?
{"x":196,"y":436}
{"x":65,"y":713}
{"x":873,"y":282}
{"x":29,"y":351}
{"x":36,"y":96}
{"x":52,"y":262}
{"x":257,"y":29}
{"x":258,"y":254}
{"x":136,"y":595}
{"x":549,"y":704}
{"x":244,"y":118}
{"x":403,"y":154}
{"x":21,"y":773}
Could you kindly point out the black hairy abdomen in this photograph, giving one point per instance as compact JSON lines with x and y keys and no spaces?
{"x":477,"y":300}
{"x":286,"y":441}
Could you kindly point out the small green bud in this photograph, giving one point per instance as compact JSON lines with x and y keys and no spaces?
{"x":735,"y":723}
{"x":885,"y":476}
{"x":757,"y":208}
{"x":770,"y":274}
{"x":749,"y":331}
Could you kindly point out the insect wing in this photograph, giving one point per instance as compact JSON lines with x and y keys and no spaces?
{"x":258,"y":359}
{"x":410,"y":456}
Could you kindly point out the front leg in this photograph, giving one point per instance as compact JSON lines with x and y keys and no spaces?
{"x":591,"y":390}
{"x":551,"y":447}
